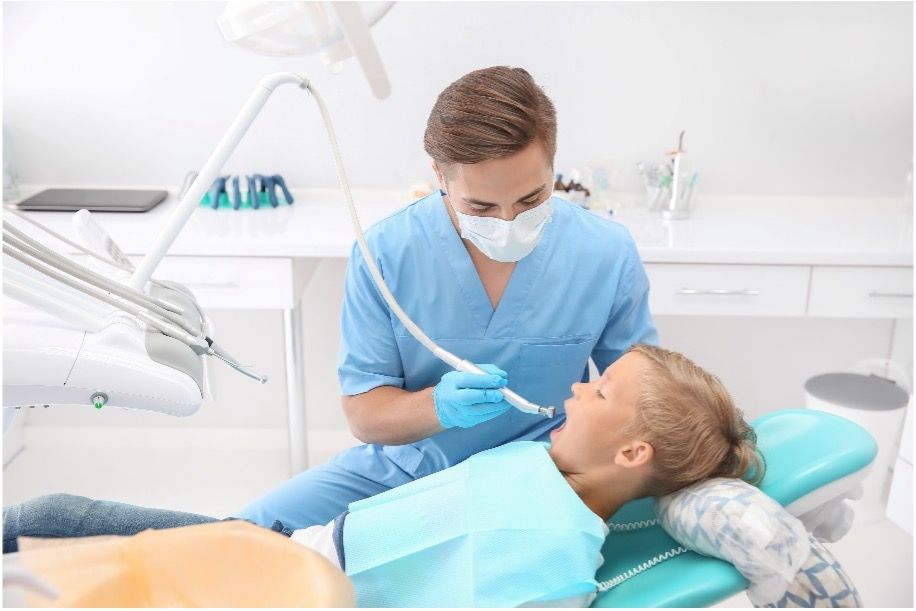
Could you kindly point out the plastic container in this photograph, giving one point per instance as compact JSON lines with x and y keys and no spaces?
{"x":876,"y":404}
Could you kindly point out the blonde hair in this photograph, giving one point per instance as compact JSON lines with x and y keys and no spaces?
{"x":692,"y":424}
{"x":489,"y":114}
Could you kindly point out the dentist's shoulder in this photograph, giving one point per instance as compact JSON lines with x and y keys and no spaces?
{"x":598,"y":235}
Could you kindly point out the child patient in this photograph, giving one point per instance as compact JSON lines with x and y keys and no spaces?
{"x":520,"y":524}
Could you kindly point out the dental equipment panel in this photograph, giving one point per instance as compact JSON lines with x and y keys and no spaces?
{"x":99,"y":341}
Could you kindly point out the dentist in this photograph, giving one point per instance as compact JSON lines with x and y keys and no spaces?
{"x":494,"y":270}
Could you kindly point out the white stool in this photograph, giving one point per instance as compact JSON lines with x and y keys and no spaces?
{"x":877,"y":405}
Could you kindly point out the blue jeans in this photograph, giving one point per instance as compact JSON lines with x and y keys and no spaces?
{"x":68,"y":515}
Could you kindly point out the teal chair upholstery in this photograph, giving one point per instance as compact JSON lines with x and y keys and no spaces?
{"x":804,"y":451}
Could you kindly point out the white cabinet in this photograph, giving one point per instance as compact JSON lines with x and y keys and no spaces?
{"x":236,"y":283}
{"x":233,"y":282}
{"x":739,"y":290}
{"x":861,"y":292}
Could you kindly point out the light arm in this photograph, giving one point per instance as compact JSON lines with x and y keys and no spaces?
{"x":210,"y":171}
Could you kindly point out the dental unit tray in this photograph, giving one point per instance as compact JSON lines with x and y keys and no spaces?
{"x":815,"y":461}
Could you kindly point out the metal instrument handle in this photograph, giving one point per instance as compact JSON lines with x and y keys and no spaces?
{"x":880,"y":294}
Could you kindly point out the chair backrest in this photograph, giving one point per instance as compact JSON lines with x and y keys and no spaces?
{"x":804,"y":450}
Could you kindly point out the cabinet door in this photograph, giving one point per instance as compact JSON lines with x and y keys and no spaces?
{"x":861,"y":292}
{"x":741,"y":290}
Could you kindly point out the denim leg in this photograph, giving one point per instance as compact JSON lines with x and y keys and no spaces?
{"x":322,"y":493}
{"x":68,"y":515}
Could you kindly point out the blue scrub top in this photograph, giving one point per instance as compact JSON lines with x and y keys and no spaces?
{"x":582,"y":292}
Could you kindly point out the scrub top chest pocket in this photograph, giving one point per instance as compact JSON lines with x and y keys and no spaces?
{"x":549,"y":369}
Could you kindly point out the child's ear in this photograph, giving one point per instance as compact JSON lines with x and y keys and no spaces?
{"x":634,"y":454}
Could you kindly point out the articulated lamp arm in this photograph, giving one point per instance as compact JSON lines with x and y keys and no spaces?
{"x":210,"y":171}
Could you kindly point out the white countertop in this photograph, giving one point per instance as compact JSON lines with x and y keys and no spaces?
{"x":721,"y":229}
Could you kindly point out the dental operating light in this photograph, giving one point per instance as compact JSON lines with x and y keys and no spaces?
{"x":334,"y":30}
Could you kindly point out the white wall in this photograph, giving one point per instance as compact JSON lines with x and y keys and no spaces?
{"x":776,"y":97}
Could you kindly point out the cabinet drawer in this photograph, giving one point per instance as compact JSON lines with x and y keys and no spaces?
{"x":862,"y":292}
{"x":225,"y":282}
{"x":741,"y":290}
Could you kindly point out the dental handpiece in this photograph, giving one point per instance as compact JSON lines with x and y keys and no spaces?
{"x":514,"y":399}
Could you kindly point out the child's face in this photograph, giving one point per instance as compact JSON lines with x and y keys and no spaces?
{"x":595,"y":415}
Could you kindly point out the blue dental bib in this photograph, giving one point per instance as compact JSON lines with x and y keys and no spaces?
{"x":500,"y":529}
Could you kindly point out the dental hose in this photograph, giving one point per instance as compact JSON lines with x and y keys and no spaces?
{"x":22,"y":248}
{"x":457,"y":363}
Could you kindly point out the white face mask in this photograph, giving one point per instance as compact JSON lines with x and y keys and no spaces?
{"x":506,"y":241}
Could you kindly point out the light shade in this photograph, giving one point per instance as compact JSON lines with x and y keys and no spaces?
{"x":334,"y":30}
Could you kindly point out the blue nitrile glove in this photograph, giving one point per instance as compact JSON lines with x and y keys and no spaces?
{"x":466,"y":399}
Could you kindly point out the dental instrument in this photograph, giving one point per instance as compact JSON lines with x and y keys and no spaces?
{"x":253,"y":195}
{"x":121,"y":264}
{"x":236,"y":194}
{"x":218,"y":189}
{"x":92,"y":233}
{"x":258,"y":189}
{"x":161,"y":314}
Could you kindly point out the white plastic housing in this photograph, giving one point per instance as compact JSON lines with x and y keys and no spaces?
{"x":49,"y":362}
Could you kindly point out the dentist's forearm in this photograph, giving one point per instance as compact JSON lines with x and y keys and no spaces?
{"x":391,"y":416}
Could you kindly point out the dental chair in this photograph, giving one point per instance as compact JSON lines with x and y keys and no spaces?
{"x":815,"y":462}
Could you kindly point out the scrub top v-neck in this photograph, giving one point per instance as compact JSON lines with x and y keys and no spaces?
{"x":581,"y":292}
{"x":494,"y":322}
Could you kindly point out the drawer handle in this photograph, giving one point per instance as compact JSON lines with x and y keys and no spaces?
{"x":879,"y":294}
{"x":229,"y":284}
{"x":717,"y":292}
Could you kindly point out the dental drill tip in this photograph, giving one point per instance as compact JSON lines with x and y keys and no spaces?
{"x":237,"y":366}
{"x":550,"y":412}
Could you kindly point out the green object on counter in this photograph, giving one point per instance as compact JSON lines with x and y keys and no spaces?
{"x":225,"y":202}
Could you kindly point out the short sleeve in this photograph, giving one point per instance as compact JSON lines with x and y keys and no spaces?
{"x":630,"y":321}
{"x":368,"y":356}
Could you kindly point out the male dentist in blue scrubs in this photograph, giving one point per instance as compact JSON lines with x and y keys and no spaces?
{"x":494,"y":270}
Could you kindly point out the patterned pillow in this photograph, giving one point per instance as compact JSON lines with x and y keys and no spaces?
{"x":736,"y":522}
{"x":821,"y":582}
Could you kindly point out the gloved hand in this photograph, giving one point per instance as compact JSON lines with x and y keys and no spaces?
{"x":466,"y":399}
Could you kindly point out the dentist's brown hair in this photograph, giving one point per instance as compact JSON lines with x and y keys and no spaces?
{"x":692,"y":424}
{"x":489,"y":114}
